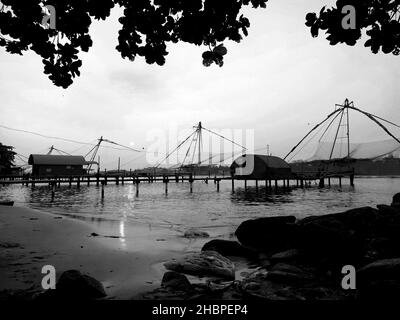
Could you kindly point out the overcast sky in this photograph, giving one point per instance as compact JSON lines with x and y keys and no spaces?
{"x":278,"y":81}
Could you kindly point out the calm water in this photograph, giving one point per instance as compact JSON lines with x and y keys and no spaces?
{"x":204,"y":208}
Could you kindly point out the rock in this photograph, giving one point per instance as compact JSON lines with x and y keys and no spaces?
{"x":386,"y":269}
{"x":229,"y":248}
{"x":380,"y":280}
{"x":202,"y":264}
{"x":195,"y":234}
{"x":260,"y":287}
{"x":271,"y":235}
{"x":176,"y":281}
{"x":359,"y":220}
{"x":264,"y":261}
{"x":75,"y":285}
{"x":285,"y":273}
{"x":287,"y":255}
{"x":337,"y":239}
{"x":396,"y":200}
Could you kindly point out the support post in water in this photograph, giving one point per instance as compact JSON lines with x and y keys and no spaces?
{"x":102,"y":190}
{"x":191,"y":183}
{"x":218,"y":180}
{"x":256,"y":185}
{"x":352,"y":180}
{"x":78,"y":183}
{"x":137,"y":187}
{"x":233,"y":185}
{"x":53,"y":190}
{"x":340,"y":181}
{"x":245,"y":185}
{"x":166,"y":180}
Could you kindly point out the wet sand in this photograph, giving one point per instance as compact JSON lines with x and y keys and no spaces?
{"x":126,"y":258}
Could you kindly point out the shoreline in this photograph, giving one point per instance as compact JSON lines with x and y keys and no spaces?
{"x":126,"y":258}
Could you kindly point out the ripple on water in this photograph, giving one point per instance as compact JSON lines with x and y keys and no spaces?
{"x":204,"y":207}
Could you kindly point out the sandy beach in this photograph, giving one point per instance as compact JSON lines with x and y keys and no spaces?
{"x":127,"y":259}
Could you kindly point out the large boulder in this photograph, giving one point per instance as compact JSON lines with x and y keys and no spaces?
{"x":386,"y":269}
{"x":380,"y":280}
{"x":396,"y":200}
{"x":229,"y":248}
{"x":176,"y":281}
{"x":209,"y":263}
{"x":330,"y":241}
{"x":270,"y":235}
{"x":359,"y":220}
{"x":73,"y":285}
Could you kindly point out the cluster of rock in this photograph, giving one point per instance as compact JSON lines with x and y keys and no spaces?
{"x":297,"y":259}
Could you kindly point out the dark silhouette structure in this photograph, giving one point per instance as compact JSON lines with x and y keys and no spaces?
{"x":260,"y":167}
{"x":57,"y":165}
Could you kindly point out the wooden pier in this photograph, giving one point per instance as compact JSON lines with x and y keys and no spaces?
{"x":297,"y":180}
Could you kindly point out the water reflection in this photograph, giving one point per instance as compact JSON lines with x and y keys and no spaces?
{"x":261,"y":195}
{"x":205,"y":207}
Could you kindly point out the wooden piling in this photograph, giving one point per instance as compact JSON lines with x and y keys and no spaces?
{"x":256,"y":185}
{"x":352,"y":180}
{"x":53,"y":191}
{"x":102,"y":190}
{"x":166,"y":181}
{"x":233,"y":185}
